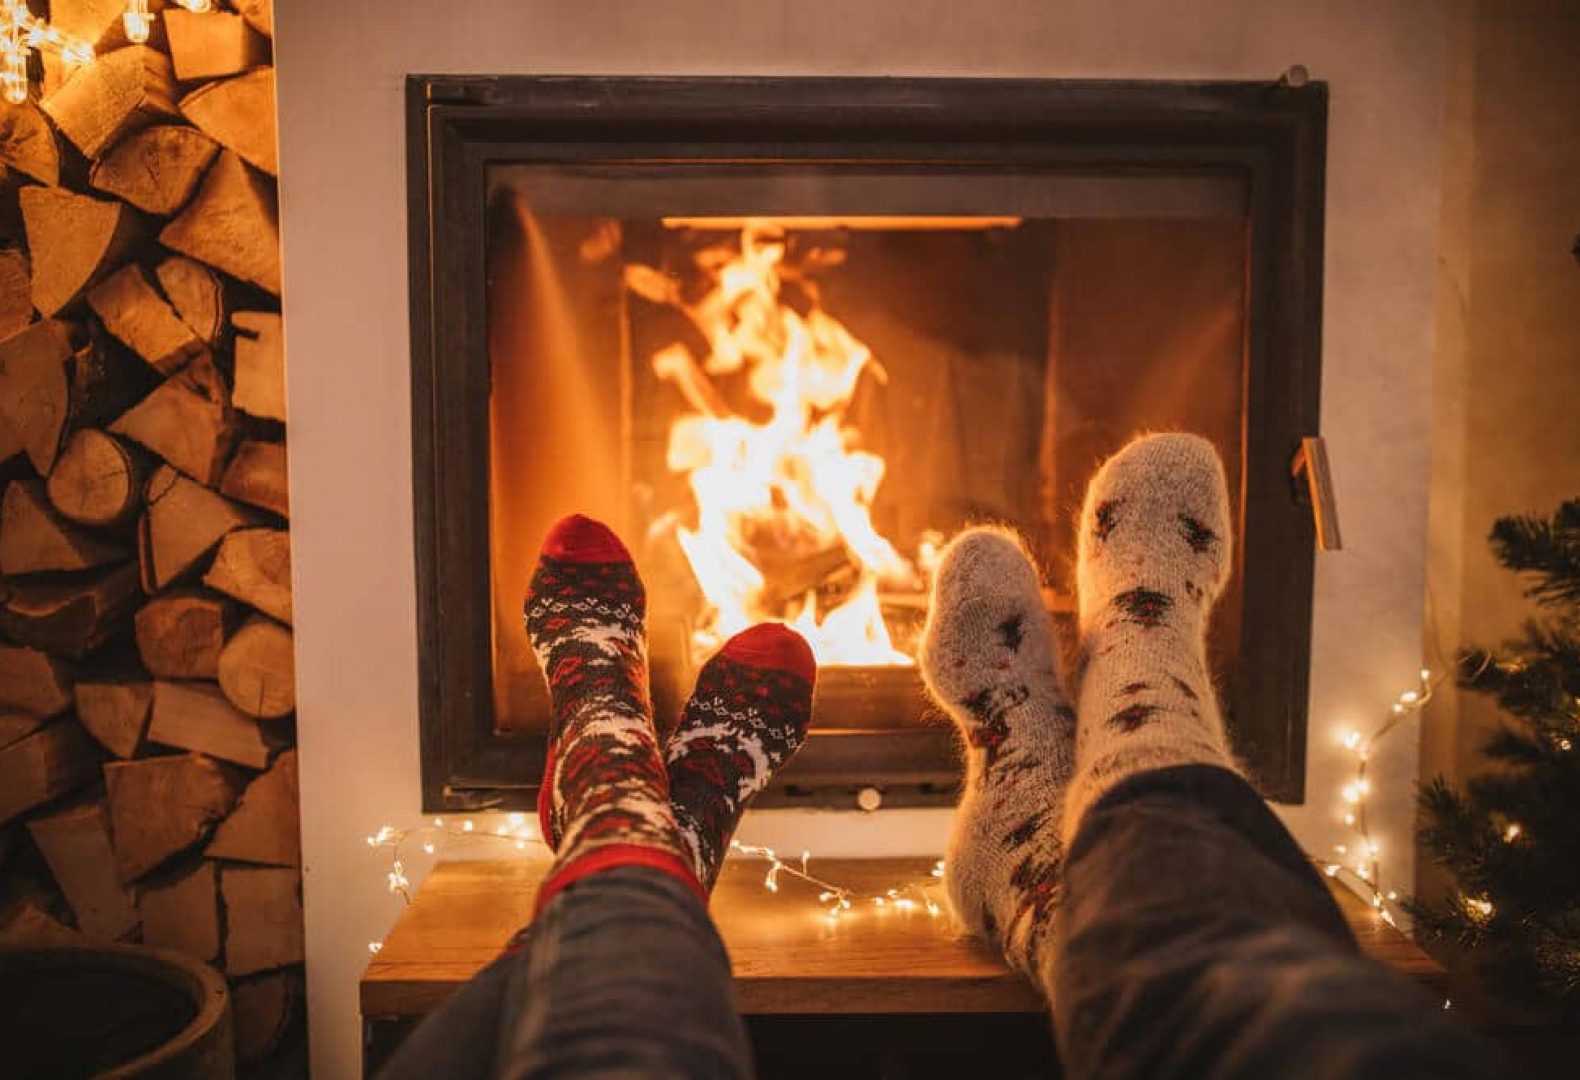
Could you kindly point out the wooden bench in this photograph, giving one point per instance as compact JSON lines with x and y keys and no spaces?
{"x":791,"y":964}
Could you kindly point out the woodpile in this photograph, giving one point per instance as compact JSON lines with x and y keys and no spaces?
{"x":148,"y":785}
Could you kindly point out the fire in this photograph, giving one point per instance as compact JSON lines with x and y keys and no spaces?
{"x":784,"y":504}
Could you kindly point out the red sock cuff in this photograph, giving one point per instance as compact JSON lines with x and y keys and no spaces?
{"x":772,"y":645}
{"x":581,"y":539}
{"x":615,"y":855}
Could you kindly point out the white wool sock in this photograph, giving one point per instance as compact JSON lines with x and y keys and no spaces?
{"x":989,"y":658}
{"x":1154,"y":554}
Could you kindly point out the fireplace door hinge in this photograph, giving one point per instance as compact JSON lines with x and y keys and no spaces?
{"x":1312,"y":461}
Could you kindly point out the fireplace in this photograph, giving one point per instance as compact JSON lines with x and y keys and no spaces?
{"x":788,"y":335}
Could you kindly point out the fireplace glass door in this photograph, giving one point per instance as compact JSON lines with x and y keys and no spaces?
{"x":787,"y":379}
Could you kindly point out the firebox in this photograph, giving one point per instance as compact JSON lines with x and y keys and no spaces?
{"x":789,"y":335}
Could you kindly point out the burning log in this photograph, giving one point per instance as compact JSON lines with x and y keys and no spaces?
{"x":675,"y":364}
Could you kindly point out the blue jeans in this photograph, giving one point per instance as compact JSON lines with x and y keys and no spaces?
{"x":1195,"y":941}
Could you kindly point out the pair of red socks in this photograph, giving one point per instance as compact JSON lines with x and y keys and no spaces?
{"x":610,"y":795}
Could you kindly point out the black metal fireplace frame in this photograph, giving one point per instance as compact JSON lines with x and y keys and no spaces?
{"x":1271,"y":135}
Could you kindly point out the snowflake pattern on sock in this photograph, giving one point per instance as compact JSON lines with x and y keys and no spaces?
{"x":605,"y":781}
{"x":747,"y":716}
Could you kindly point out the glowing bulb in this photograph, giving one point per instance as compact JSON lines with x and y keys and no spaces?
{"x":427,"y":849}
{"x":466,"y":826}
{"x":136,"y":24}
{"x":1426,"y":675}
{"x":374,"y":947}
{"x":1410,"y":697}
{"x":516,"y":820}
{"x":1332,"y":869}
{"x":1512,"y":833}
{"x":1351,"y":740}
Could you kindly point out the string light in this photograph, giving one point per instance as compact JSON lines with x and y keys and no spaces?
{"x":21,"y":34}
{"x":137,"y":21}
{"x":835,"y":901}
{"x":1360,"y":862}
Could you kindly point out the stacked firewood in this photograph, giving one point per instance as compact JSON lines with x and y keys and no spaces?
{"x":147,"y":770}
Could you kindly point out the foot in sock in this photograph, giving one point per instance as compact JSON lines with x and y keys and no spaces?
{"x":746,"y":718}
{"x":1153,"y":556}
{"x":605,"y":795}
{"x":990,"y":659}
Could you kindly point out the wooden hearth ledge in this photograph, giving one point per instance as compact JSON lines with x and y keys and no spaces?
{"x":788,"y":959}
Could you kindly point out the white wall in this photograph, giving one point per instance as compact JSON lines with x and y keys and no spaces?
{"x":340,"y":67}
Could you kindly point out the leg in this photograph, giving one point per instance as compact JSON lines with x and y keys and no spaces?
{"x":1196,"y":939}
{"x":989,"y":659}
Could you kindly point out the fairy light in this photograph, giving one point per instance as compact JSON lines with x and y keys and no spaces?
{"x":835,"y":902}
{"x":1360,"y":860}
{"x":137,"y":21}
{"x":21,"y":34}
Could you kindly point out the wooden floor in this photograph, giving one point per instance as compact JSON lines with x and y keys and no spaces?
{"x":788,"y":958}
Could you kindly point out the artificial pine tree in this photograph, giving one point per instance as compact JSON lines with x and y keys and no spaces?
{"x":1511,"y":838}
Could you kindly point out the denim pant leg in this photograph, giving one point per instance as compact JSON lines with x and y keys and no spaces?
{"x":1196,"y":940}
{"x":620,"y":975}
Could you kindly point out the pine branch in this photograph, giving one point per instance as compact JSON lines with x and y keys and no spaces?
{"x":1548,"y":550}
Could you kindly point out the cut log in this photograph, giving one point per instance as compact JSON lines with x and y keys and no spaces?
{"x":35,"y":392}
{"x":116,"y":714}
{"x":97,"y":479}
{"x":260,"y":364}
{"x":137,"y":315}
{"x":16,"y":294}
{"x":162,"y":806}
{"x":27,"y":143}
{"x":258,"y":13}
{"x":264,"y":826}
{"x":180,"y":633}
{"x":196,"y":293}
{"x":263,"y":919}
{"x":212,"y":44}
{"x":98,"y":22}
{"x":45,"y":765}
{"x":30,"y":926}
{"x":16,"y":725}
{"x":75,"y":842}
{"x":256,"y":476}
{"x":187,"y":421}
{"x":239,"y":115}
{"x":156,"y":169}
{"x":263,"y":1009}
{"x":182,"y":523}
{"x":118,"y":93}
{"x":70,"y":617}
{"x":195,"y":716}
{"x":182,"y":912}
{"x":34,"y":539}
{"x":254,"y":566}
{"x":34,"y":682}
{"x":232,"y":225}
{"x":74,"y":240}
{"x":257,"y":670}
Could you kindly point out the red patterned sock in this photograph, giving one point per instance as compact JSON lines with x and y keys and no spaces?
{"x":747,"y":716}
{"x":605,"y":795}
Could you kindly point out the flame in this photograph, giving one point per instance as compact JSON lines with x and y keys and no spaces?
{"x":796,"y":486}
